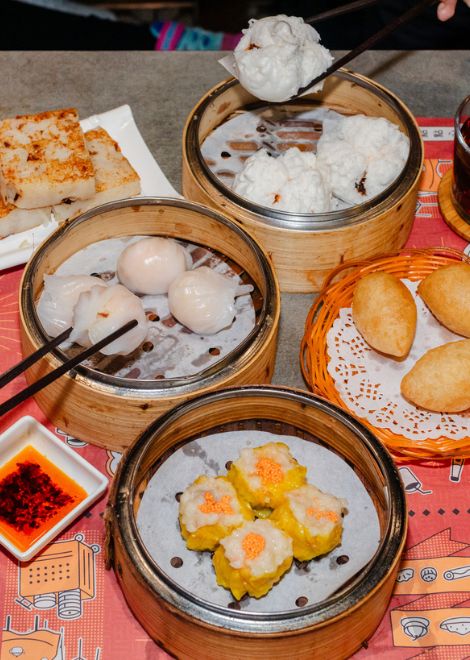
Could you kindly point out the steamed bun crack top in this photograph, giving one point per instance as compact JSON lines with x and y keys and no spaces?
{"x":263,"y":475}
{"x":209,"y":510}
{"x":252,"y":559}
{"x":289,"y":182}
{"x":278,"y":55}
{"x":357,"y":158}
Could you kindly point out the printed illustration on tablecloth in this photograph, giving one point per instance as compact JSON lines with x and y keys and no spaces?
{"x":62,"y":577}
{"x":70,"y":440}
{"x":113,"y":461}
{"x":437,"y":570}
{"x":56,"y":611}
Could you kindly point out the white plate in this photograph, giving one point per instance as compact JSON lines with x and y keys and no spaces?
{"x":28,"y":431}
{"x":119,"y":123}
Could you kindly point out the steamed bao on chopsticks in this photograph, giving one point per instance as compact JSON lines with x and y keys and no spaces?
{"x":384,"y":313}
{"x":200,"y":299}
{"x":47,"y":164}
{"x":357,"y":157}
{"x":258,"y":518}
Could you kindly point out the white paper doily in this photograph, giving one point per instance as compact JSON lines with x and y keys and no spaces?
{"x":369,"y":383}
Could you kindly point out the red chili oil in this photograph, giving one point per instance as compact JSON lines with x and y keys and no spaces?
{"x":34,"y":496}
{"x":461,"y":188}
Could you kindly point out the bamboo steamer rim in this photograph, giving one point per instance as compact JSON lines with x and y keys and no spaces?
{"x":339,"y":605}
{"x":285,"y":220}
{"x":165,"y":388}
{"x":336,"y":293}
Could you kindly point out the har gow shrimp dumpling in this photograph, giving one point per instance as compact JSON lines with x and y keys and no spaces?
{"x":150,"y":265}
{"x":446,"y":292}
{"x":58,"y":300}
{"x":203,"y":300}
{"x":101,"y":311}
{"x":384,"y":313}
{"x":440,"y":379}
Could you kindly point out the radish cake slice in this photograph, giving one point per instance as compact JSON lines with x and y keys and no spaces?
{"x":44,"y":160}
{"x":14,"y":220}
{"x":115,"y":176}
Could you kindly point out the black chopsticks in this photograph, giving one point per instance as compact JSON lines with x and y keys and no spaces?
{"x":18,"y":369}
{"x":49,"y":378}
{"x":339,"y":11}
{"x":369,"y":43}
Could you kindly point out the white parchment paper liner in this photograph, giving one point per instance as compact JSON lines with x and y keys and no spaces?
{"x":157,"y":520}
{"x":177,"y":352}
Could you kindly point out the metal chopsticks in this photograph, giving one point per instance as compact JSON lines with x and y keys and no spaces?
{"x":369,"y":43}
{"x":49,"y":378}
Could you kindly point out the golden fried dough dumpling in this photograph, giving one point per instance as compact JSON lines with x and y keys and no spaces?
{"x":384,"y":313}
{"x":440,"y":380}
{"x":446,"y":292}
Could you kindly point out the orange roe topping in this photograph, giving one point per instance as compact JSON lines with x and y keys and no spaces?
{"x":269,"y":471}
{"x":211,"y":505}
{"x":322,"y":515}
{"x":253,"y":545}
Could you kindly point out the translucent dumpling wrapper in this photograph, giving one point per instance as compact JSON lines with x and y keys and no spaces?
{"x":204,"y":301}
{"x":58,"y":300}
{"x":100,"y":311}
{"x":150,"y":265}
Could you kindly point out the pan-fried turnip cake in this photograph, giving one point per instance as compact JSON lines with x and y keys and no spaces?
{"x":44,"y":160}
{"x":115,"y":176}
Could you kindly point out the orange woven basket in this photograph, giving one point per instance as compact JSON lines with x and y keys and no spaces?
{"x":337,"y":292}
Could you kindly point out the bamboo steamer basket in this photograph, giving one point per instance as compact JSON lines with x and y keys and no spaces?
{"x":111,"y":411}
{"x":306,"y":247}
{"x":189,"y":627}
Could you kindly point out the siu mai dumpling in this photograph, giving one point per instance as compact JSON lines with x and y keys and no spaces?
{"x":204,"y":301}
{"x":263,"y":475}
{"x":313,"y":519}
{"x":150,"y":265}
{"x":440,"y":380}
{"x":252,"y":559}
{"x":99,"y":312}
{"x":446,"y":292}
{"x":384,"y":313}
{"x":209,"y":510}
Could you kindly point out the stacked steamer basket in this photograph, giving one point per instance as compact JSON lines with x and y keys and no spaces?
{"x":189,"y":625}
{"x":306,"y":247}
{"x":100,"y":407}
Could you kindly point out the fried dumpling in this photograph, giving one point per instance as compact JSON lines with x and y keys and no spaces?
{"x":384,"y":313}
{"x":446,"y":292}
{"x":440,"y":380}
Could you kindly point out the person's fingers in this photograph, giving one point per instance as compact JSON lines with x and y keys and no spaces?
{"x":446,"y":9}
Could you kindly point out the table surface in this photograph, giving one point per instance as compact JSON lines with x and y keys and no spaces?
{"x":162,"y":88}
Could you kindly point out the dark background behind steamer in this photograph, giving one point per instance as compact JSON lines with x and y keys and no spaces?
{"x":37,"y":28}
